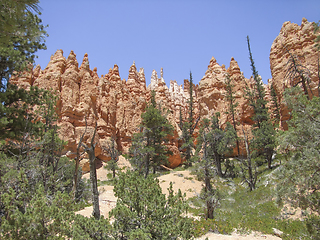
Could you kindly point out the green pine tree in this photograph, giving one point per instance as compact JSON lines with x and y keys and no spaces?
{"x":143,"y":211}
{"x":214,"y":143}
{"x":275,"y":105}
{"x":113,"y":153}
{"x":187,"y":127}
{"x":148,"y":149}
{"x":21,"y":36}
{"x":299,"y":176}
{"x":232,"y":105}
{"x":263,"y":141}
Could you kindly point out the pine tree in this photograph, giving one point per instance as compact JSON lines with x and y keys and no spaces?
{"x":21,"y":36}
{"x":275,"y":105}
{"x":232,"y":105}
{"x":144,"y":212}
{"x":30,"y":164}
{"x":188,"y":128}
{"x":84,"y":228}
{"x":300,"y":175}
{"x":113,"y":153}
{"x":151,"y":140}
{"x":42,"y":218}
{"x":213,"y":143}
{"x":297,"y":73}
{"x":263,"y":142}
{"x":248,"y":167}
{"x":93,"y":174}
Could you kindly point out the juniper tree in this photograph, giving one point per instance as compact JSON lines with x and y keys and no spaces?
{"x":154,"y":132}
{"x":263,"y":141}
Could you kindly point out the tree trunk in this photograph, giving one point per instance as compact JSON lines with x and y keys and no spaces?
{"x":113,"y":172}
{"x":218,"y":164}
{"x":147,"y":166}
{"x":208,"y":190}
{"x":94,"y":185}
{"x":252,"y":179}
{"x":210,"y":207}
{"x":75,"y":176}
{"x":93,"y":175}
{"x":75,"y":179}
{"x":269,"y":154}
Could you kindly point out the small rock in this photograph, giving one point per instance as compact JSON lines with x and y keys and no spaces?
{"x":277,"y":232}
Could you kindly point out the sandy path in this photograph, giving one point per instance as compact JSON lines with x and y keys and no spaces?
{"x":182,"y":180}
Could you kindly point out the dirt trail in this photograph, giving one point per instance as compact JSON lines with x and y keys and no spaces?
{"x":182,"y":180}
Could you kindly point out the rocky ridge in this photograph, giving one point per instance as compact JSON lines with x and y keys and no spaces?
{"x":116,"y":105}
{"x":298,"y":42}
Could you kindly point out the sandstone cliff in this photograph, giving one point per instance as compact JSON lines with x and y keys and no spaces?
{"x":298,"y":42}
{"x":116,"y":105}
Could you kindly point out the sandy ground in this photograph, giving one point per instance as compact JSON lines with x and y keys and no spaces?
{"x":182,"y":180}
{"x":236,"y":236}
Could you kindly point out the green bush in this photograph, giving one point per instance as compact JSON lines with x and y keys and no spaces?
{"x":142,"y":209}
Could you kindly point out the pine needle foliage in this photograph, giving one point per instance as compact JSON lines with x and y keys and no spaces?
{"x":300,"y":174}
{"x":213,"y":144}
{"x":148,"y":149}
{"x":144,"y":212}
{"x":230,"y":96}
{"x":263,"y":141}
{"x":275,"y":105}
{"x":187,"y":127}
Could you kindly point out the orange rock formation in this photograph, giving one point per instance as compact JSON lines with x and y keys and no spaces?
{"x":116,"y":105}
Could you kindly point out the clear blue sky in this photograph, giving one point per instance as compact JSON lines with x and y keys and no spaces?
{"x":178,"y":35}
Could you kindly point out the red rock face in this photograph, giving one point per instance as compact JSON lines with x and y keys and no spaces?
{"x":298,"y":41}
{"x":116,"y":105}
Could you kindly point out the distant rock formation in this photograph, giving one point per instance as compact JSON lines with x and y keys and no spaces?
{"x":116,"y":105}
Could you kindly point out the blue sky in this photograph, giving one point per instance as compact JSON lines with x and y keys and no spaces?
{"x":180,"y":36}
